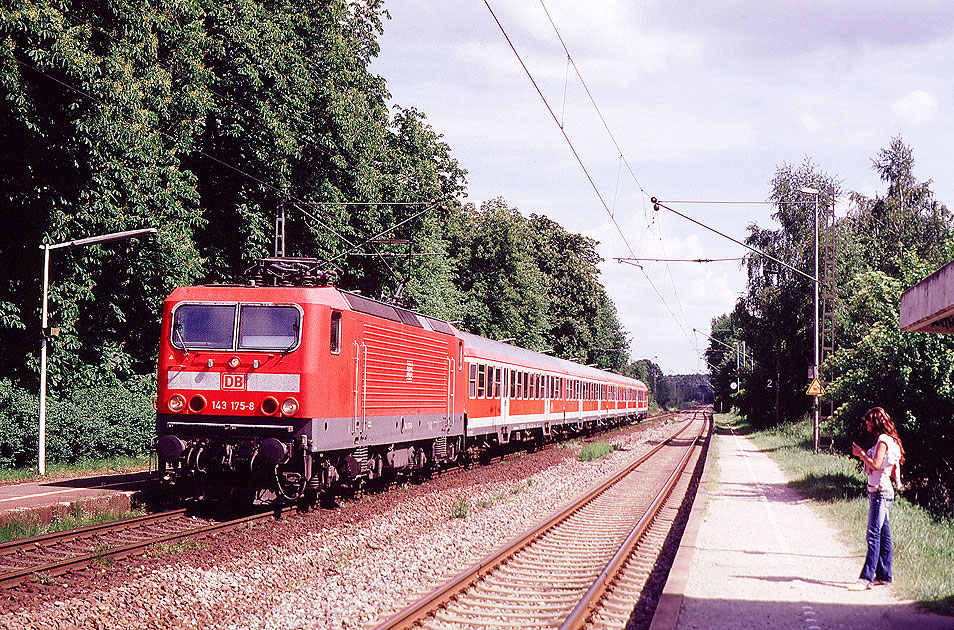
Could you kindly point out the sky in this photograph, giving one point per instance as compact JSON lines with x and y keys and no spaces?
{"x":701,"y":102}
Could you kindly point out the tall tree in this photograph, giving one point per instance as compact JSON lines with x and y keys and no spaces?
{"x":776,"y":316}
{"x":98,"y":110}
{"x":505,"y":289}
{"x":583,"y":321}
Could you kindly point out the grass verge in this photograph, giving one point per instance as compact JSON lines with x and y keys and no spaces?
{"x":923,"y":543}
{"x":16,"y":530}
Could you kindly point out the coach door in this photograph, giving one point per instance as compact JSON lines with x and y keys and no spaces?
{"x":547,"y":397}
{"x":505,"y":398}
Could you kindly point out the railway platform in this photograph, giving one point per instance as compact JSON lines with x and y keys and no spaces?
{"x":755,"y":555}
{"x":43,"y":501}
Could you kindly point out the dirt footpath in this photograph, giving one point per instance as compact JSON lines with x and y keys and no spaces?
{"x":764,"y":559}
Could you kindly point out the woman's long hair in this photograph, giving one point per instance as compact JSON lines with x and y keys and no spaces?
{"x":881,"y":423}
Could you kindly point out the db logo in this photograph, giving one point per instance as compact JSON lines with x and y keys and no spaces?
{"x":233,"y":381}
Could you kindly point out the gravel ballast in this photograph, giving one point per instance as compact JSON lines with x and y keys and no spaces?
{"x":344,"y":568}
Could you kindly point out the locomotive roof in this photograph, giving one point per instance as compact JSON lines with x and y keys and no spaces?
{"x":498,"y":350}
{"x":478,"y":346}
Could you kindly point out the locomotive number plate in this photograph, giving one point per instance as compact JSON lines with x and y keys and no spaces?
{"x":233,"y":405}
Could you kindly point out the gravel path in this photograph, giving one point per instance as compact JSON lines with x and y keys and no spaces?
{"x":343,"y":568}
{"x":764,"y":559}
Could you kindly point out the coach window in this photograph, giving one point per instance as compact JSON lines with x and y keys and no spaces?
{"x":481,"y":380}
{"x":497,"y":376}
{"x":335,"y":332}
{"x":473,"y":380}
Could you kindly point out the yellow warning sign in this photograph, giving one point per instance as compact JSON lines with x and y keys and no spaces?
{"x":815,"y":389}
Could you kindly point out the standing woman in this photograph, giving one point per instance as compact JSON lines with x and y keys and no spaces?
{"x":882,"y":463}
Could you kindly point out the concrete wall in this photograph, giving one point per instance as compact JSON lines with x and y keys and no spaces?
{"x":928,"y":306}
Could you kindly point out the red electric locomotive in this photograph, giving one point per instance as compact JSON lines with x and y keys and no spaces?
{"x":285,"y":392}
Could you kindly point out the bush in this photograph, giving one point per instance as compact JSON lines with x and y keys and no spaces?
{"x":19,"y":411}
{"x":110,"y":420}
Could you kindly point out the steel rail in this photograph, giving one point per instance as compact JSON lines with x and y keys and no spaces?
{"x":412,"y":615}
{"x":43,"y":540}
{"x":580,"y":615}
{"x":11,"y":578}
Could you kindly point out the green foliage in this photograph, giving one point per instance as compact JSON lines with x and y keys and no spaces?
{"x":201,"y":119}
{"x":496,"y":270}
{"x":583,"y":323}
{"x":911,"y":375}
{"x":91,"y":423}
{"x":595,"y":450}
{"x":460,"y":508}
{"x":78,"y":517}
{"x":884,"y":245}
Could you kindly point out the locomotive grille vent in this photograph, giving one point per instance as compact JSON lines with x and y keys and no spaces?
{"x":440,"y":447}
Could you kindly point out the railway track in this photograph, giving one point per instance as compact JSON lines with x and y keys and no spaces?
{"x":49,"y":555}
{"x":582,"y":567}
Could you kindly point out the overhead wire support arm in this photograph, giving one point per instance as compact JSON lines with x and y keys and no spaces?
{"x":692,"y":260}
{"x":658,"y":204}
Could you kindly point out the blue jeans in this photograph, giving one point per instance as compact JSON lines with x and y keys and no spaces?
{"x":878,"y":558}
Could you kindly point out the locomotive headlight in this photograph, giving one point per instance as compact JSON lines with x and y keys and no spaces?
{"x":176,"y":403}
{"x":234,"y":362}
{"x":289,"y":407}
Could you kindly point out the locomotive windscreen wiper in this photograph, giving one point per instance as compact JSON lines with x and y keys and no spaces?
{"x":178,"y":330}
{"x":294,"y":340}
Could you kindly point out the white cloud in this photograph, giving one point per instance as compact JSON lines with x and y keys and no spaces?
{"x":916,"y":108}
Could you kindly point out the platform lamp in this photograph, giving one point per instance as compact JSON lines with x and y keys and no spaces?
{"x":816,"y":419}
{"x":45,"y":333}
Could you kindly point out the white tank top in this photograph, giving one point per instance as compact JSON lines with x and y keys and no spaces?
{"x":880,"y":479}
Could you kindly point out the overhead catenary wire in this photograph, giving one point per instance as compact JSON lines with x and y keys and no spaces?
{"x":692,"y":260}
{"x":579,"y":159}
{"x":656,"y":203}
{"x":622,"y":157}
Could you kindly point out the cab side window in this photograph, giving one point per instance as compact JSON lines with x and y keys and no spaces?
{"x":335,"y":344}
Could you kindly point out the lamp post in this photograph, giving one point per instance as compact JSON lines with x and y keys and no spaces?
{"x":93,"y":240}
{"x":816,"y":422}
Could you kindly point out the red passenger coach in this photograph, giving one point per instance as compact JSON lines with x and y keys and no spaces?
{"x":523,"y":394}
{"x":285,"y":392}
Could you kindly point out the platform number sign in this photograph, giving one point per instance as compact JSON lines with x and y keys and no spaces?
{"x":234,"y":382}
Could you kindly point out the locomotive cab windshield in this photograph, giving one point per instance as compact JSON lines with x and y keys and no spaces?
{"x":230,"y":327}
